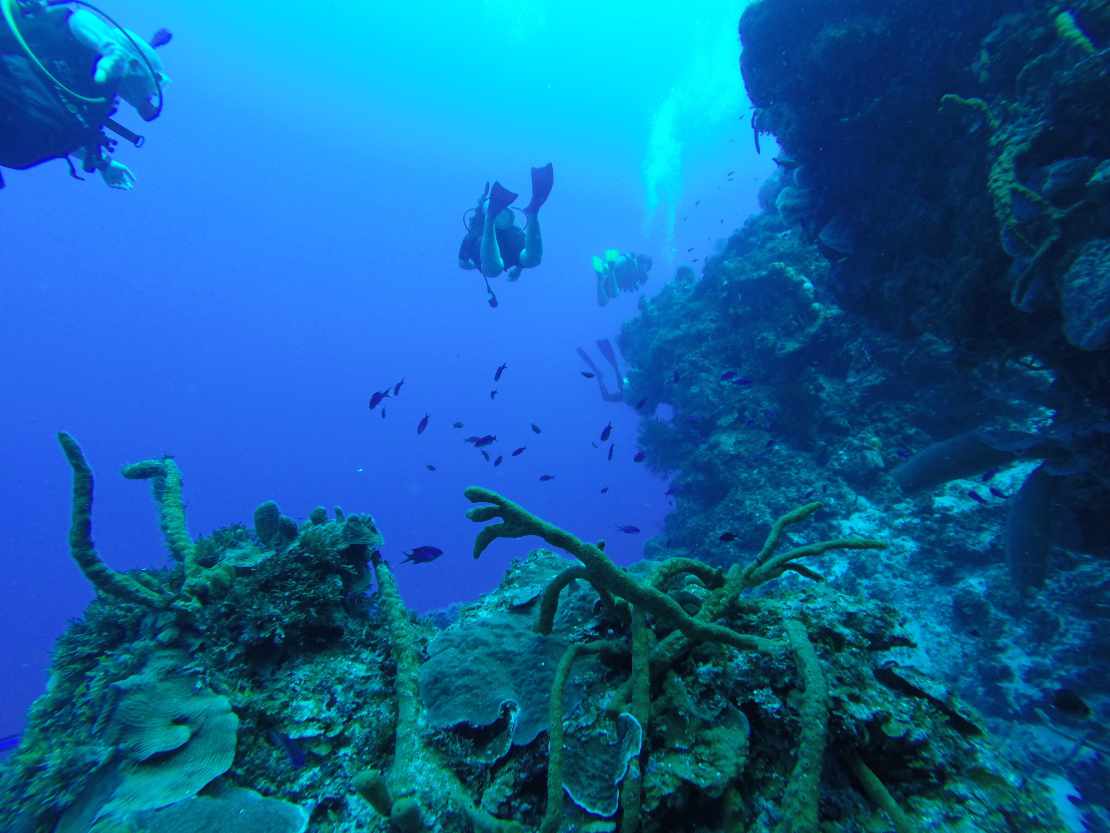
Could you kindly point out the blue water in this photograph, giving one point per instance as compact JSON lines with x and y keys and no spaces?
{"x":291,"y":247}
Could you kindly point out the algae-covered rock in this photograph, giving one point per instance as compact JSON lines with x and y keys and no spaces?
{"x":1085,"y":296}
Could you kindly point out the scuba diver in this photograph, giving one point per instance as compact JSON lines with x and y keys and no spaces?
{"x":494,"y":243}
{"x":619,"y":272}
{"x":64,"y":65}
{"x":606,"y":349}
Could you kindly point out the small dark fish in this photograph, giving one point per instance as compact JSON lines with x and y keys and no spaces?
{"x":422,"y":555}
{"x":730,"y":173}
{"x":673,"y":490}
{"x":638,"y":457}
{"x":975,"y":496}
{"x":903,"y":453}
{"x":628,"y":529}
{"x":429,"y":467}
{"x":697,"y":203}
{"x":604,"y":489}
{"x":497,"y":462}
{"x":484,"y":454}
{"x":290,"y":746}
{"x":727,"y":536}
{"x":785,"y":162}
{"x":728,"y":375}
{"x":606,"y":431}
{"x":690,"y":250}
{"x":518,"y":451}
{"x":422,"y":425}
{"x":383,"y":413}
{"x":611,"y":447}
{"x":694,"y":259}
{"x":486,"y":439}
{"x":998,"y":493}
{"x":397,"y":387}
{"x":493,"y":394}
{"x":9,"y":742}
{"x":545,"y":477}
{"x":593,"y":444}
{"x":535,"y":428}
{"x":742,"y":382}
{"x":641,"y":403}
{"x":769,"y":443}
{"x":161,"y":38}
{"x":377,"y":397}
{"x":988,"y":475}
{"x":586,"y":373}
{"x":497,"y":373}
{"x":456,"y":424}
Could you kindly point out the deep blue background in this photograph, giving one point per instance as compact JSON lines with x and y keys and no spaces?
{"x":291,"y":246}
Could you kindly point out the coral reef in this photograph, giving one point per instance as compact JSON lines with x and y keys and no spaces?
{"x":913,"y":331}
{"x":669,"y":696}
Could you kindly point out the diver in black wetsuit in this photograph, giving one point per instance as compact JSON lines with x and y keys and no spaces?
{"x":494,"y":243}
{"x":63,"y":67}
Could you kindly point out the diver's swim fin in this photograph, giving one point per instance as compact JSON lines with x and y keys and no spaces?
{"x":500,"y":198}
{"x":542,"y":180}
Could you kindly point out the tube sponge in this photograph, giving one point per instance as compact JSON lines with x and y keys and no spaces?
{"x":105,"y":579}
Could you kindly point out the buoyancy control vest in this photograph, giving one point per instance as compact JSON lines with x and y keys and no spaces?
{"x":39,"y":120}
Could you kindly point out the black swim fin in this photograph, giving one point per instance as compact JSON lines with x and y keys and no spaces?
{"x":500,"y":198}
{"x":542,"y":181}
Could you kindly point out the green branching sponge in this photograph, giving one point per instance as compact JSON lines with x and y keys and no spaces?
{"x":418,"y":781}
{"x":517,"y":522}
{"x":799,"y":802}
{"x":105,"y":579}
{"x":553,"y":815}
{"x":767,"y":565}
{"x":165,"y":478}
{"x":640,"y":707}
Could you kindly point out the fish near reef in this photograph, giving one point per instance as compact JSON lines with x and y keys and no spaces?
{"x":606,"y":431}
{"x":422,"y":425}
{"x":422,"y":555}
{"x":377,"y":397}
{"x":518,"y":451}
{"x":536,"y":429}
{"x":628,"y":529}
{"x":497,"y":373}
{"x":638,"y":457}
{"x":545,"y":477}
